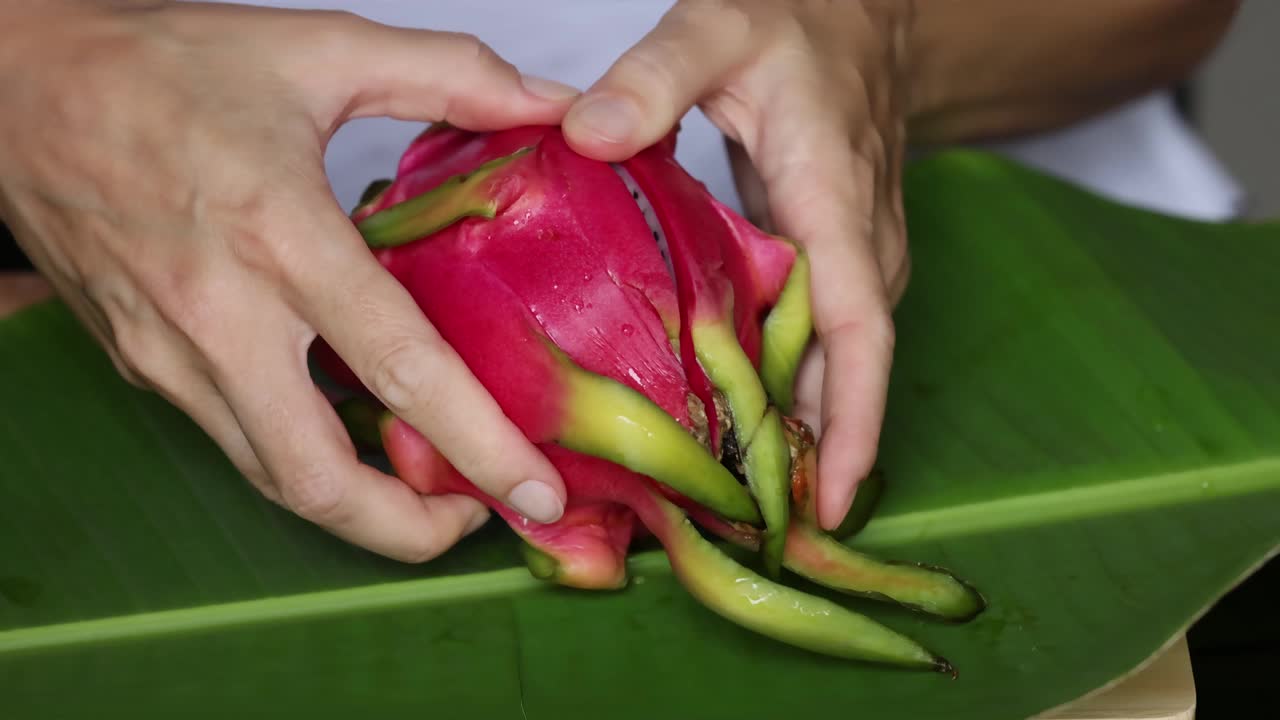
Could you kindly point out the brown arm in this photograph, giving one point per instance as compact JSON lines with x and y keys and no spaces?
{"x":990,"y":68}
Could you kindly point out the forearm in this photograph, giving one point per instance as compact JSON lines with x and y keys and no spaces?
{"x":988,"y":68}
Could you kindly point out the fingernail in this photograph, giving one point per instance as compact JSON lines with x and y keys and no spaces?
{"x":548,"y":89}
{"x":844,"y":511}
{"x":612,"y":119}
{"x":536,"y":501}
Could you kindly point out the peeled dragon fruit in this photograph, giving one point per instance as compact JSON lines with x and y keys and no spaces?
{"x":646,"y":338}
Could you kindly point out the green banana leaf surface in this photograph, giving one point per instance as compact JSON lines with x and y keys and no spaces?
{"x":1084,"y":421}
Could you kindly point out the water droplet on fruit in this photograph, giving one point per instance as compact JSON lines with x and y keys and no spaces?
{"x":628,"y":330}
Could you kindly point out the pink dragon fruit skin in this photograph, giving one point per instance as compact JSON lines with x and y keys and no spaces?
{"x":567,"y":304}
{"x":598,"y":275}
{"x":631,"y":368}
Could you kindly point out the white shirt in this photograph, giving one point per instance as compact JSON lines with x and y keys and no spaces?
{"x":1141,"y":153}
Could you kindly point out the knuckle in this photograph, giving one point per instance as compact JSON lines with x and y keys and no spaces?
{"x":900,"y":280}
{"x":895,"y":256}
{"x":313,"y":493}
{"x":399,"y":376}
{"x":268,"y":232}
{"x":137,"y":355}
{"x":489,"y":470}
{"x":863,"y":170}
{"x":318,"y":36}
{"x":875,"y":329}
{"x":333,"y":29}
{"x":883,"y":332}
{"x":247,"y":240}
{"x":128,"y":372}
{"x":657,"y":70}
{"x":197,"y":319}
{"x":874,"y":151}
{"x":185,"y":300}
{"x":788,"y":32}
{"x":251,"y":469}
{"x":277,"y":257}
{"x":194,"y":318}
{"x":726,"y":18}
{"x":422,"y":549}
{"x":472,"y":49}
{"x":341,"y":17}
{"x":268,"y":492}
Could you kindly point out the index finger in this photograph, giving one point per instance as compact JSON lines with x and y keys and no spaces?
{"x":312,"y":463}
{"x":374,"y":324}
{"x":690,"y":52}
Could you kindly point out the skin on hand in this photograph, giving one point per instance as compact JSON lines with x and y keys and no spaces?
{"x":164,"y":170}
{"x":20,"y":289}
{"x":811,"y":95}
{"x":815,"y":98}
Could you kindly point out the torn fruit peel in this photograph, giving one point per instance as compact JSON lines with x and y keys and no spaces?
{"x":645,"y":338}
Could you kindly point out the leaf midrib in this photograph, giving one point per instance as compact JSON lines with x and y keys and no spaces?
{"x":1052,"y":506}
{"x":1035,"y":508}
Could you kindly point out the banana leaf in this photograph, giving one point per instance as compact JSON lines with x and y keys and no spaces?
{"x":1084,"y":421}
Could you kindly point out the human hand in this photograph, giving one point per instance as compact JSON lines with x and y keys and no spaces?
{"x":813,"y":94}
{"x":20,"y":289}
{"x":164,"y":169}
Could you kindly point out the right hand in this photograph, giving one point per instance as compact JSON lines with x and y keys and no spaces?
{"x":164,"y":170}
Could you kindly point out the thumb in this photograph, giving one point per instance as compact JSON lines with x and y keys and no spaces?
{"x":689,"y":54}
{"x":369,"y":69}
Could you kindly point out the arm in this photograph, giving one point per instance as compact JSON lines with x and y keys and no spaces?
{"x":983,"y":68}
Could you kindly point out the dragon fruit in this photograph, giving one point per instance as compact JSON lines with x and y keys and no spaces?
{"x":645,"y":338}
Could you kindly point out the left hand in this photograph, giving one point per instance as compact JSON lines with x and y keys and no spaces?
{"x":812,"y":92}
{"x":20,"y":289}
